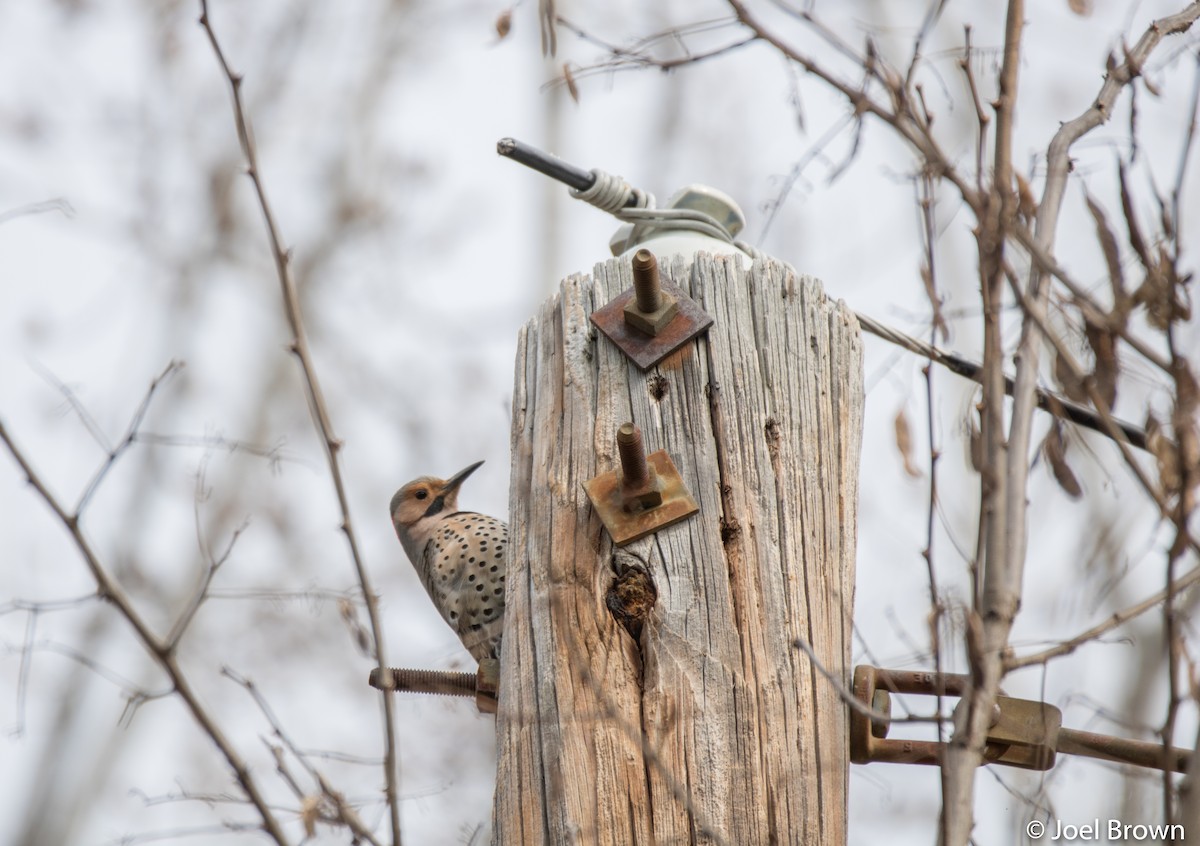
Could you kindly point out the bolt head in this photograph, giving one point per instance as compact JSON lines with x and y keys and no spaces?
{"x":651,"y":322}
{"x":649,"y":494}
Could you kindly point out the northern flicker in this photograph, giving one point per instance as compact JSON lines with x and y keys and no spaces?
{"x":459,"y":557}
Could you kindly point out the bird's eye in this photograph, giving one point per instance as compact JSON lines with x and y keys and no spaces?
{"x":422,"y":494}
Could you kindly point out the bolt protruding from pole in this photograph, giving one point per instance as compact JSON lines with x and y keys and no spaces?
{"x":423,"y":681}
{"x":483,"y":684}
{"x":643,"y":494}
{"x":646,"y":285}
{"x":650,"y":310}
{"x":633,"y":454}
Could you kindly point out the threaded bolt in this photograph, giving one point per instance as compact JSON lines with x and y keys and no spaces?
{"x":633,"y":454}
{"x":424,"y":681}
{"x":646,"y":286}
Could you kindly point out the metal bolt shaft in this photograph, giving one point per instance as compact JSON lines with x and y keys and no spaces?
{"x":646,"y":286}
{"x":424,"y":681}
{"x":633,"y":454}
{"x":1139,"y":753}
{"x":483,"y":684}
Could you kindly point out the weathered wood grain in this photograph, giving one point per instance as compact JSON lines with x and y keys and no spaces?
{"x":712,"y":727}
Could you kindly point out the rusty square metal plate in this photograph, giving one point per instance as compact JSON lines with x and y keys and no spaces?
{"x":648,"y":350}
{"x":605,"y":493}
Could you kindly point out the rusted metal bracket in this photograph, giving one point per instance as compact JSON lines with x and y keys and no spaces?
{"x":483,"y":684}
{"x":653,"y":318}
{"x":1024,"y":733}
{"x":645,"y":495}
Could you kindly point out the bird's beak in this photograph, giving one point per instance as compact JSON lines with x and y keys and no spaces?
{"x":452,"y":484}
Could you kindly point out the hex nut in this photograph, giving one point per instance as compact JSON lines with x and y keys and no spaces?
{"x":652,"y":322}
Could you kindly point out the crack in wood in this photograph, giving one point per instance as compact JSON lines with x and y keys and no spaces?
{"x":731,"y":529}
{"x":771,"y":430}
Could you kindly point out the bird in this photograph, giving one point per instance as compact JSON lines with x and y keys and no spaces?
{"x":458,"y":556}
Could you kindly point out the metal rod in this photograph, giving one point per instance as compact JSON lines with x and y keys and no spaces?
{"x":543,"y":162}
{"x":424,"y":681}
{"x":633,"y":455}
{"x":921,"y":682}
{"x":1139,"y":753}
{"x":1055,"y":404}
{"x":646,"y":283}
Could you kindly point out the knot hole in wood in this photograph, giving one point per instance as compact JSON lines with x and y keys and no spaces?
{"x":630,"y":598}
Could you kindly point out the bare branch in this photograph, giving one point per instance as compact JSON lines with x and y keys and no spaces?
{"x":900,"y":116}
{"x":58,"y":204}
{"x":926,"y":200}
{"x":344,"y":813}
{"x":1046,"y":261}
{"x":1053,"y":403}
{"x":109,"y":590}
{"x":274,"y":453}
{"x":201,"y":593}
{"x":1185,"y":153}
{"x":1058,"y":153}
{"x":85,"y":416}
{"x":316,"y":398}
{"x":1002,"y":513}
{"x":931,"y":18}
{"x":130,"y":434}
{"x":982,"y":115}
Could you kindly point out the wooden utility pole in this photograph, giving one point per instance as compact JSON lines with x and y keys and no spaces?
{"x":696,"y":719}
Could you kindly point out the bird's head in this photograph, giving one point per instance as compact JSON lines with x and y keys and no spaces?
{"x":418,"y":506}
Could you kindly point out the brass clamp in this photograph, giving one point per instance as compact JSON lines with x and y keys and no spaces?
{"x":483,"y":684}
{"x":1024,"y":733}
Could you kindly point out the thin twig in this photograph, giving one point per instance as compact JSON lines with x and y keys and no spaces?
{"x":275,"y":453}
{"x":1036,"y":313}
{"x":1185,"y":155}
{"x":900,"y":117}
{"x":345,"y":813}
{"x":58,"y":204}
{"x":23,"y":671}
{"x":201,"y":593}
{"x":1116,"y":620}
{"x":316,"y":398}
{"x":113,"y":452}
{"x":981,"y":116}
{"x":931,"y":17}
{"x":130,"y":434}
{"x":1174,"y":642}
{"x":853,"y":702}
{"x":1046,"y":262}
{"x":72,"y":398}
{"x":936,"y":609}
{"x":815,"y":151}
